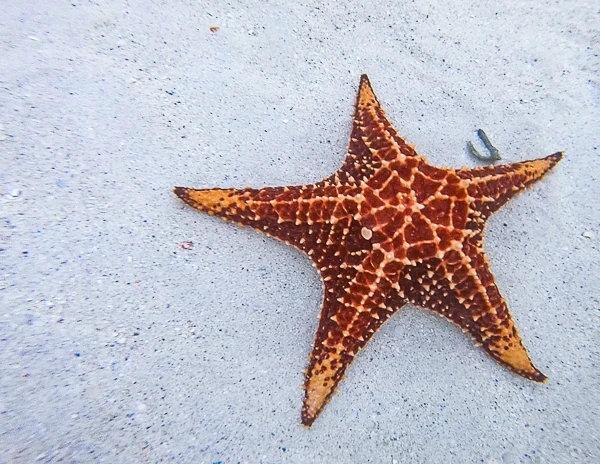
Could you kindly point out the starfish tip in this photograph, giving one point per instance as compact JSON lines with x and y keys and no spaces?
{"x":539,"y":377}
{"x":181,"y":192}
{"x":307,"y":420}
{"x":552,"y":160}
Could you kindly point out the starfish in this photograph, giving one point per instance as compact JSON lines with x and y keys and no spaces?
{"x":386,"y":230}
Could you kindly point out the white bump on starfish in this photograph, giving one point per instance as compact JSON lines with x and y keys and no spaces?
{"x":366,"y":233}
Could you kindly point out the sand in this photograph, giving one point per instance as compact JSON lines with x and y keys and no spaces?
{"x":122,"y":342}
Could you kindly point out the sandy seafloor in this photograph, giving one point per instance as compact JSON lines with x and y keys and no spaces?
{"x":117,"y":345}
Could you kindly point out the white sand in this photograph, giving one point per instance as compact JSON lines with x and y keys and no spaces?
{"x":117,"y":345}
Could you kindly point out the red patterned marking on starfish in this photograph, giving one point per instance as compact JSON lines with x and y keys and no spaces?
{"x":385,"y":230}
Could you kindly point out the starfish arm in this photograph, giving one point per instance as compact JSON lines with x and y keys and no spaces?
{"x":373,"y":140}
{"x":301,"y":216}
{"x":461,"y":288}
{"x":353,"y":309}
{"x":493,"y":186}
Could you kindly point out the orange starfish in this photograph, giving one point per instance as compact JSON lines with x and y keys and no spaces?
{"x":386,"y":230}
